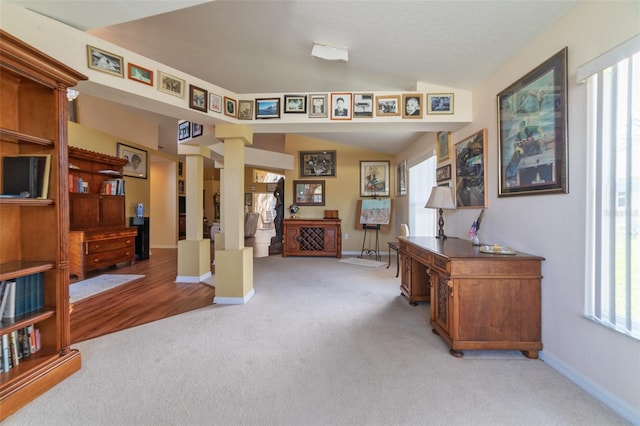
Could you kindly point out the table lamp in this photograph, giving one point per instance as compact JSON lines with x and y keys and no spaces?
{"x":441,"y":198}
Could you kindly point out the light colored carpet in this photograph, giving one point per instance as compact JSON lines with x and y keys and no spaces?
{"x":320,"y":344}
{"x":362,"y":262}
{"x":92,"y":286}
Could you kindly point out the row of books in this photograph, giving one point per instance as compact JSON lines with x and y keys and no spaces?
{"x":109,"y":186}
{"x":21,"y":296}
{"x":17,"y":346}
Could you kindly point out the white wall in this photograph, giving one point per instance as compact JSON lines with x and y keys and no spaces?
{"x":604,"y":362}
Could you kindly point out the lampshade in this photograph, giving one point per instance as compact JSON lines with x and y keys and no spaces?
{"x":441,"y":198}
{"x":329,"y":52}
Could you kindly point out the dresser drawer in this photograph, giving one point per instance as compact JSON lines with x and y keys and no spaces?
{"x":100,"y":260}
{"x":102,"y":246}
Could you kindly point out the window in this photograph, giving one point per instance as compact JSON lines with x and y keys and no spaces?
{"x":422,"y":177}
{"x":613,"y":188}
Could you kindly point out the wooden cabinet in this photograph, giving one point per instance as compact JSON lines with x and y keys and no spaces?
{"x":414,"y":279}
{"x":34,"y":232}
{"x":312,"y":237}
{"x":99,"y":236}
{"x":479,"y":300}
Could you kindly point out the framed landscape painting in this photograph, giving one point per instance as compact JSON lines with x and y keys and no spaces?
{"x":267,"y":108}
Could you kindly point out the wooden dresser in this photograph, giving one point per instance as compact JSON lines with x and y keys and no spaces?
{"x":312,"y":237}
{"x":478,"y":300}
{"x":98,"y":235}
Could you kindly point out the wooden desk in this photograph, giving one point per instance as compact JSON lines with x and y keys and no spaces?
{"x":478,"y":300}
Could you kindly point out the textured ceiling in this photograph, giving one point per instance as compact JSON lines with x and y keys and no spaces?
{"x":254,"y":47}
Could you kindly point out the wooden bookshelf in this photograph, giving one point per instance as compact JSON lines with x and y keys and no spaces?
{"x":34,"y":232}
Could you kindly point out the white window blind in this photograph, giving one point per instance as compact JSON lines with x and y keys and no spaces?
{"x":613,"y":188}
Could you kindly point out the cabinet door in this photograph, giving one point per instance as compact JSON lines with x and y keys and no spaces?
{"x":405,"y":274}
{"x":83,"y":210}
{"x":442,"y":304}
{"x":111,"y":210}
{"x":330,"y":239}
{"x":291,"y":239}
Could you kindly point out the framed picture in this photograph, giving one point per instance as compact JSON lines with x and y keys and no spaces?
{"x":374,"y":178}
{"x":412,"y":105}
{"x":267,"y":108}
{"x":341,"y":106}
{"x":170,"y":84}
{"x":139,"y":74}
{"x":363,"y":105}
{"x":215,"y":102}
{"x":230,"y":107}
{"x":181,"y":187}
{"x":196,"y":130}
{"x":308,"y":192}
{"x":443,"y":173}
{"x":401,"y":178}
{"x":295,"y":104}
{"x":184,"y":130}
{"x":136,"y":161}
{"x":443,"y":146}
{"x":247,"y":199}
{"x":104,"y":61}
{"x":317,"y":163}
{"x":440,"y":103}
{"x":245,"y":110}
{"x":532,"y":134}
{"x":180,"y":169}
{"x":387,"y":105}
{"x":318,"y":107}
{"x":471,"y":173}
{"x":197,"y":98}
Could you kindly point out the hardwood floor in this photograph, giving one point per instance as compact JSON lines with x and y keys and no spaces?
{"x":155,"y":297}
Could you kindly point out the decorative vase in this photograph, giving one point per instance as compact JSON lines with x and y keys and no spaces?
{"x":475,"y":241}
{"x":140,"y":210}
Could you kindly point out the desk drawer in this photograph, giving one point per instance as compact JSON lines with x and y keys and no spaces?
{"x":100,"y":260}
{"x":419,"y":254}
{"x":102,"y":246}
{"x":442,"y":264}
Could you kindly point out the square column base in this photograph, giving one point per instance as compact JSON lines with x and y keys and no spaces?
{"x":194,"y":260}
{"x":234,"y":276}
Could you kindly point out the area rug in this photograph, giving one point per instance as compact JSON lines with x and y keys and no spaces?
{"x":92,"y":286}
{"x":363,"y":262}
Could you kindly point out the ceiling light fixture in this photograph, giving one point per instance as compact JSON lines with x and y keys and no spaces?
{"x":330,"y":52}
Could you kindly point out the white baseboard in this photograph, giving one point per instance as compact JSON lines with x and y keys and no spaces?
{"x":234,"y":300}
{"x":192,"y":279}
{"x":623,"y":409}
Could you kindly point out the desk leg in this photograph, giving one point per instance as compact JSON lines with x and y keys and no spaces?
{"x":397,"y":263}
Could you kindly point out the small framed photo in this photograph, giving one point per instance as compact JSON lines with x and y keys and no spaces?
{"x":341,"y":106}
{"x":181,"y":187}
{"x":440,"y":103}
{"x":180,"y":169}
{"x":363,"y":105}
{"x":197,"y":98}
{"x":230,"y":107}
{"x":136,"y":161}
{"x":196,"y":130}
{"x":387,"y":105}
{"x":374,"y":178}
{"x":247,"y":199}
{"x":412,"y":105}
{"x":308,"y":192}
{"x":317,"y":163}
{"x":443,"y":173}
{"x":245,"y":110}
{"x":104,"y":61}
{"x":184,"y":130}
{"x":443,"y":146}
{"x":170,"y":84}
{"x":267,"y":108}
{"x":139,"y":74}
{"x":401,"y":178}
{"x":215,"y":102}
{"x":318,"y":106}
{"x":295,"y":104}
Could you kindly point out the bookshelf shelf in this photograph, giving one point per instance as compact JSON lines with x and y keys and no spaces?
{"x":33,"y":123}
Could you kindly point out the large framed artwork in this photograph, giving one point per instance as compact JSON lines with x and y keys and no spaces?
{"x":374,"y":178}
{"x":532,"y":134}
{"x":136,"y":161}
{"x":308,"y":192}
{"x":317,"y":163}
{"x":471,"y":173}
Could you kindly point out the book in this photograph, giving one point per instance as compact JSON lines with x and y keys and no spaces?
{"x":8,"y":300}
{"x":3,"y":301}
{"x":6,"y":360}
{"x":13,"y":348}
{"x":31,"y":332}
